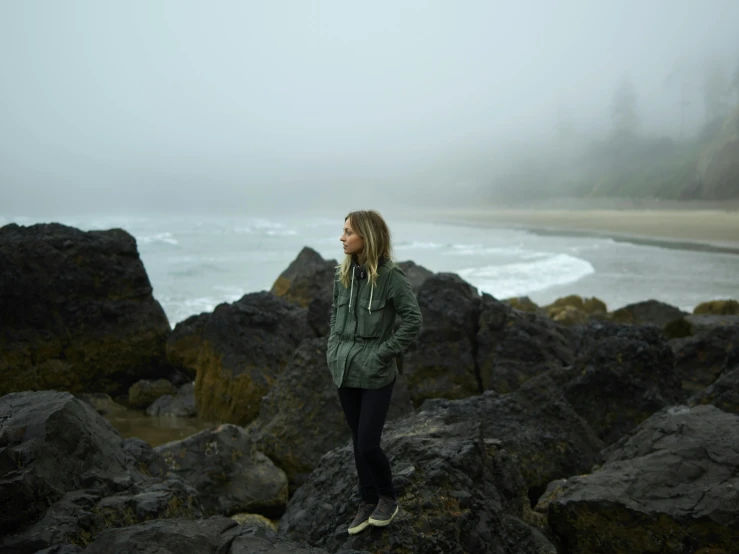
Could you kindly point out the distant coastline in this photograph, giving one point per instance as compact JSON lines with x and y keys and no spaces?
{"x":700,"y":228}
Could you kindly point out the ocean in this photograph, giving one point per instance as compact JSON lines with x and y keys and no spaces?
{"x":196,"y":262}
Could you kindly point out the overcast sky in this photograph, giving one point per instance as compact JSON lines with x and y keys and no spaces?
{"x":248,"y":105}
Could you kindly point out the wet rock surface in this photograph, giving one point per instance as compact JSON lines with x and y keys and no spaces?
{"x":230,"y":475}
{"x":457,"y":492}
{"x":670,"y":486}
{"x":621,"y":376}
{"x":534,"y":423}
{"x":78,"y":311}
{"x":183,"y":536}
{"x":66,"y":474}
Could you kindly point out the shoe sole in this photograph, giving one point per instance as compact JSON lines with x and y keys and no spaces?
{"x":383,"y":522}
{"x":359,"y":528}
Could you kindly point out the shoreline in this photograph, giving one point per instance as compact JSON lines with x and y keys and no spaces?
{"x":699,"y":230}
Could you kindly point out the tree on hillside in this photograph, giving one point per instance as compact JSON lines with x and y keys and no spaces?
{"x":716,"y":95}
{"x":680,"y":81}
{"x":624,"y":110}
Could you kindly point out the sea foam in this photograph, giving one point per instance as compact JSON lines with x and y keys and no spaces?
{"x":522,"y":278}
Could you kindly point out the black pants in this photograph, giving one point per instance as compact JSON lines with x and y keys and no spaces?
{"x":365,"y":411}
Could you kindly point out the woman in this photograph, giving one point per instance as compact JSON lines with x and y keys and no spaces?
{"x":369,"y":290}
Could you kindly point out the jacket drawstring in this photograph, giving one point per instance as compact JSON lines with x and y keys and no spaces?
{"x":369,"y":306}
{"x":351,"y":291}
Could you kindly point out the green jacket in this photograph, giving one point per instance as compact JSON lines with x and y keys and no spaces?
{"x":362,"y":345}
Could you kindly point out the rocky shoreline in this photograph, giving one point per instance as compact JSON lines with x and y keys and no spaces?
{"x":514,"y":428}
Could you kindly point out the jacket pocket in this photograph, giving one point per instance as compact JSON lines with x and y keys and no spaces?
{"x":371,"y":321}
{"x":342,"y":310}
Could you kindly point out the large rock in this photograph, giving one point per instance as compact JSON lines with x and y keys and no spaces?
{"x":228,"y":473}
{"x":238,"y":351}
{"x":622,"y":375}
{"x":458,"y":493}
{"x":181,"y":404}
{"x":647,"y":312}
{"x":308,"y":282}
{"x":534,"y":423}
{"x":671,"y":487}
{"x":144,"y":393}
{"x":78,"y":311}
{"x":700,"y":358}
{"x":723,"y":393}
{"x":301,"y":419}
{"x":441,"y":363}
{"x":416,"y":274}
{"x":717,"y":307}
{"x":66,"y":474}
{"x":513,"y":346}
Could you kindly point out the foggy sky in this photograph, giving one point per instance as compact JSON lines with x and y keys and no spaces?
{"x":248,"y":105}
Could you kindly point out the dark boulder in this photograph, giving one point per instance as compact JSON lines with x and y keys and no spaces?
{"x":622,"y":375}
{"x":144,"y":393}
{"x":457,"y":493}
{"x":300,"y":418}
{"x":718,"y":307}
{"x":182,"y":404}
{"x":78,"y":311}
{"x":238,"y":351}
{"x":647,"y":312}
{"x":670,"y":486}
{"x":535,"y":423}
{"x":700,"y":358}
{"x":513,"y":346}
{"x":227,"y":471}
{"x":66,"y":474}
{"x":416,"y":274}
{"x":723,"y":393}
{"x":308,"y":282}
{"x":441,"y":363}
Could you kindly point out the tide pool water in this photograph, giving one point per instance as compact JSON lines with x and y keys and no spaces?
{"x":196,"y":262}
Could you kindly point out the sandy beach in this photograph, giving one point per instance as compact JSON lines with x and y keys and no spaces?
{"x":700,"y":229}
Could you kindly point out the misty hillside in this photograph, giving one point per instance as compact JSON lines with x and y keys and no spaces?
{"x":706,"y":168}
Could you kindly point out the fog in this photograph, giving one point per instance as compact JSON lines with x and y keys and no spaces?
{"x":235,"y":106}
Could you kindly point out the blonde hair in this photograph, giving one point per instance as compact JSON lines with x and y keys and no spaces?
{"x":370,"y":226}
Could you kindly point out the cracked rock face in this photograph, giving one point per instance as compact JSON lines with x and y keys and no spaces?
{"x":670,"y":486}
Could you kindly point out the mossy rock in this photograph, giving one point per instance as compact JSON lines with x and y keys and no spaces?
{"x":522,"y":303}
{"x":569,"y":315}
{"x":594,"y":305}
{"x":718,"y":307}
{"x":143,"y":393}
{"x":572,"y":300}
